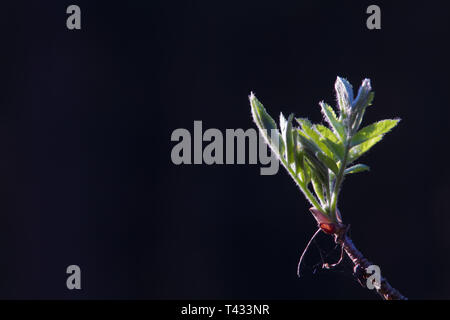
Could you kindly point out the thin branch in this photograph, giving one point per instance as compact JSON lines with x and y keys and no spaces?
{"x":360,"y":264}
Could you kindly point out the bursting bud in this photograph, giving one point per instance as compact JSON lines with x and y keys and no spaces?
{"x":363,"y":97}
{"x":344,"y":95}
{"x":326,"y":223}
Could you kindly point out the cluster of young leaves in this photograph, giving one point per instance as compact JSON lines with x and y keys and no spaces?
{"x":319,"y":155}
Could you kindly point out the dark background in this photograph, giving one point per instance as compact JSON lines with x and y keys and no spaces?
{"x":85,"y":171}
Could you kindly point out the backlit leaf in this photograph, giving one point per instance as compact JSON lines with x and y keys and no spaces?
{"x":267,"y":126}
{"x":357,"y":168}
{"x":332,"y":120}
{"x":362,"y":148}
{"x":373,"y":130}
{"x":331,"y":141}
{"x":314,"y":135}
{"x":328,"y":162}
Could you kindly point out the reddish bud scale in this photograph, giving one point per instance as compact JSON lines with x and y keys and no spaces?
{"x":328,"y":228}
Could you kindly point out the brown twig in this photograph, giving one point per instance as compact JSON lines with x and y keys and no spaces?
{"x":360,"y":264}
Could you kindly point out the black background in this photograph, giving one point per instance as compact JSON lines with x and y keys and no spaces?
{"x":86,"y":176}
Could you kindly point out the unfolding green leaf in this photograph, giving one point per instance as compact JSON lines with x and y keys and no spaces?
{"x":318,"y":187}
{"x":373,"y":130}
{"x":267,"y":126}
{"x":370,"y":99}
{"x":298,"y":156}
{"x":288,"y":137}
{"x":344,"y":94}
{"x":317,"y":166}
{"x":364,"y":96}
{"x":331,"y":178}
{"x":331,"y":141}
{"x":357,"y":122}
{"x":327,"y":133}
{"x":328,"y":162}
{"x":362,"y":148}
{"x":260,"y":115}
{"x":314,"y":136}
{"x":306,"y":142}
{"x":301,"y":167}
{"x":332,"y":120}
{"x":307,"y":172}
{"x":317,"y":155}
{"x":357,"y":168}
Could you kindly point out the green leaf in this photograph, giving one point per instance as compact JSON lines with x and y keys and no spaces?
{"x":313,"y":152}
{"x":344,"y":94}
{"x":266,"y":125}
{"x":357,"y":122}
{"x":301,"y":167}
{"x":298,"y":156}
{"x":328,"y":162}
{"x":314,"y":136}
{"x":260,"y":115}
{"x":362,"y":148}
{"x":318,"y":188}
{"x":364,"y":97}
{"x":357,"y":168}
{"x":332,"y":120}
{"x":317,"y":167}
{"x":373,"y":130}
{"x":288,"y":138}
{"x":370,"y":99}
{"x":331,"y":179}
{"x":331,"y":141}
{"x":327,"y":133}
{"x":283,"y":126}
{"x":358,"y":118}
{"x":306,"y":142}
{"x":307,"y":173}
